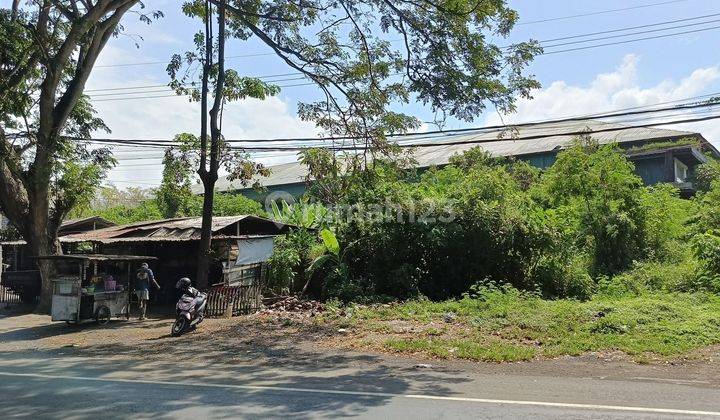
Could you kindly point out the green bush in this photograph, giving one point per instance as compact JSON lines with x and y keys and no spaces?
{"x":561,"y":277}
{"x":707,"y":249}
{"x":653,"y":276}
{"x":281,"y":265}
{"x":585,"y":225}
{"x":595,"y":193}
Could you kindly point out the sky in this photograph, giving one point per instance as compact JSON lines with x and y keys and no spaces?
{"x":592,"y":80}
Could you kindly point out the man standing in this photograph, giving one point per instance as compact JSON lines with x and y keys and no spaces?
{"x":143,"y":278}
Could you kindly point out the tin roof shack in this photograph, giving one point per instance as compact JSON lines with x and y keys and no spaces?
{"x":240,"y":245}
{"x":19,"y":270}
{"x":16,"y":256}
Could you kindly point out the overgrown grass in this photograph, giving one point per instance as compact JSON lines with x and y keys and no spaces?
{"x":510,"y":325}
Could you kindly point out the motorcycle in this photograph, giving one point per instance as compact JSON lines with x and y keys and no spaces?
{"x":190,"y":310}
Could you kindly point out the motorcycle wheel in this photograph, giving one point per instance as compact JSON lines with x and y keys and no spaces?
{"x":179,"y":326}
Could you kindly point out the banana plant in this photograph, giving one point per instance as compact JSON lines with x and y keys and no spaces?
{"x":303,"y":214}
{"x":334,"y":257}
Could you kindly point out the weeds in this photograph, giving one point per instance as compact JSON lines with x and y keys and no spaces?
{"x":507,"y":325}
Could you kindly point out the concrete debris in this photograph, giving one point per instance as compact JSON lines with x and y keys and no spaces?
{"x":292,"y":304}
{"x":449,"y":317}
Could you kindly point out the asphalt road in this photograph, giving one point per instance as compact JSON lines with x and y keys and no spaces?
{"x":67,"y":387}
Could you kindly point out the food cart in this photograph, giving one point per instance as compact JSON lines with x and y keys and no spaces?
{"x":93,"y":286}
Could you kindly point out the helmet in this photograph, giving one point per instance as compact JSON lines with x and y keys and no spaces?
{"x":183,"y":283}
{"x":144,"y":265}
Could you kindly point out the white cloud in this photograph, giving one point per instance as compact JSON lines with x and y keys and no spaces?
{"x":615,"y":90}
{"x":163,"y":118}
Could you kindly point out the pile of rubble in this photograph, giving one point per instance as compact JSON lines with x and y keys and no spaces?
{"x":292,"y":304}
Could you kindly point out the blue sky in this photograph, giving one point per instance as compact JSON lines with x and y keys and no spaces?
{"x":598,"y":79}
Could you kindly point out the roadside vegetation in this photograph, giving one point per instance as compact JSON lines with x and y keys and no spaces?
{"x":509,"y":262}
{"x":504,"y":324}
{"x":492,"y":259}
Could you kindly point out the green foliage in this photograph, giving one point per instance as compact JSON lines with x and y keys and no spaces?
{"x":706,"y":174}
{"x":124,"y":214}
{"x":708,"y":214}
{"x":174,"y":193}
{"x":330,"y":242}
{"x":653,"y":276}
{"x":456,"y":226}
{"x":666,"y":222}
{"x":282,"y":264}
{"x":689,"y":141}
{"x":593,"y":191}
{"x":498,"y":325}
{"x":78,"y":181}
{"x":707,"y":249}
{"x":303,"y":214}
{"x":224,"y":204}
{"x":585,"y":225}
{"x":291,"y":260}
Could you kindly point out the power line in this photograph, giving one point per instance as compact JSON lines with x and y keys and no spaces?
{"x":179,"y":95}
{"x":630,"y":40}
{"x":491,"y":140}
{"x":286,"y":151}
{"x":598,"y":12}
{"x":631,"y":34}
{"x":190,"y":84}
{"x":147,"y":63}
{"x":613,"y":114}
{"x":629,"y":28}
{"x":531,"y":137}
{"x":154,"y":86}
{"x":143,"y":63}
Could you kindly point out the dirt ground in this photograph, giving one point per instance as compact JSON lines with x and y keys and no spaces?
{"x":284,"y":342}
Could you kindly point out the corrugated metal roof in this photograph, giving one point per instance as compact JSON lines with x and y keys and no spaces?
{"x":71,"y":226}
{"x":182,"y":229}
{"x":91,"y":220}
{"x":292,"y":173}
{"x":97,"y":257}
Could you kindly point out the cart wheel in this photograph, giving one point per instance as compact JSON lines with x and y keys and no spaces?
{"x":102,"y":315}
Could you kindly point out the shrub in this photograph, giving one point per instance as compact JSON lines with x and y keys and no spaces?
{"x":281,"y":265}
{"x":707,"y":249}
{"x":666,"y":220}
{"x":651,"y":276}
{"x":560,"y":277}
{"x":594,"y":191}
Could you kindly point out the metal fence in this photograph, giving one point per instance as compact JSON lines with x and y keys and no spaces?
{"x":233,"y":300}
{"x":8,"y":297}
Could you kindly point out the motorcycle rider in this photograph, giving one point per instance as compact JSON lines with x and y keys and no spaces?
{"x":184,"y":285}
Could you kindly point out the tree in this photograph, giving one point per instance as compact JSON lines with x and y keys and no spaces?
{"x":444,"y":60}
{"x":598,"y":198}
{"x":174,"y":192}
{"x":48,"y":49}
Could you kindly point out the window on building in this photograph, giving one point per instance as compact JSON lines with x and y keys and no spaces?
{"x":681,"y":171}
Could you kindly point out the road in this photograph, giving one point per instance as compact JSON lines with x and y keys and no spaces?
{"x":58,"y":385}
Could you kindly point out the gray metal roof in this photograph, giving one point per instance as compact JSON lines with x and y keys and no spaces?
{"x":293,"y":173}
{"x":97,"y":257}
{"x":182,"y":229}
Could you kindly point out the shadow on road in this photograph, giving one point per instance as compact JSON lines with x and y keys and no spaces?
{"x":224,"y":357}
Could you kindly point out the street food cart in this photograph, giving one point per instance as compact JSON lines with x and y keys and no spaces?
{"x":93,"y":286}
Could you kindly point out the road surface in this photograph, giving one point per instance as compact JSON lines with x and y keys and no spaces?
{"x":58,"y":385}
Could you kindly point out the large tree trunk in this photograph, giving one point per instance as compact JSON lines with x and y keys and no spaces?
{"x":206,"y":232}
{"x":43,"y":246}
{"x":209,"y":177}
